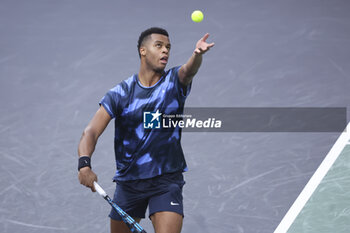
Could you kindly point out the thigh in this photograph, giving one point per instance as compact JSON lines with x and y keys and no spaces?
{"x":133,"y":203}
{"x":169,"y":197}
{"x":120,"y":226}
{"x":167,"y":222}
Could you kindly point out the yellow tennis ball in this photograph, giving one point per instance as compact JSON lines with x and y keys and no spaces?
{"x":197,"y":16}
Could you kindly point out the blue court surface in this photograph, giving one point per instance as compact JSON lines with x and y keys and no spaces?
{"x":59,"y":58}
{"x":323,"y":206}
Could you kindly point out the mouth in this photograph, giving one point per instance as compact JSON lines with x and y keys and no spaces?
{"x":164,"y":60}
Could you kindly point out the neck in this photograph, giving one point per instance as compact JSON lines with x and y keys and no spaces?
{"x":148,"y":77}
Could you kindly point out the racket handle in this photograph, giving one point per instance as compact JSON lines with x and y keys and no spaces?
{"x":100,"y":190}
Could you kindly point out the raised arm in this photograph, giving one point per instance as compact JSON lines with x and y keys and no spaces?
{"x":190,"y":68}
{"x":88,"y":142}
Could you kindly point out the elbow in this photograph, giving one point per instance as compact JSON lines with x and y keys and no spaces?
{"x":186,"y":77}
{"x":187,"y":81}
{"x":188,"y":73}
{"x":90,"y":133}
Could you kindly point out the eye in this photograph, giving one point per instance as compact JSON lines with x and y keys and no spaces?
{"x":168,"y":47}
{"x":158,"y":45}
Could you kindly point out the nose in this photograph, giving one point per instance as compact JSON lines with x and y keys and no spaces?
{"x":165,"y":50}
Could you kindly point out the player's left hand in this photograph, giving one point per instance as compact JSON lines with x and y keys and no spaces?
{"x":202,"y":46}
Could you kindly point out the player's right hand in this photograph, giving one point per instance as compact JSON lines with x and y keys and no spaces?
{"x":87,"y":177}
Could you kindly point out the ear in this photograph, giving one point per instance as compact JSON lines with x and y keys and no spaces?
{"x":143,"y":51}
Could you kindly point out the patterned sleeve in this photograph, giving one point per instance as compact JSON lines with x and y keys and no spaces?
{"x":110,"y":101}
{"x":180,"y":88}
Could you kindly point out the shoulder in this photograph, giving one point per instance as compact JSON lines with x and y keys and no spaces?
{"x":172,"y":73}
{"x":174,"y":70}
{"x":123,"y":87}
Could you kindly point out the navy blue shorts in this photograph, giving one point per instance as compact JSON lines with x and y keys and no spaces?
{"x":161,"y":193}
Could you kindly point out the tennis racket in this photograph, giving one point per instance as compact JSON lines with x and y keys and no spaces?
{"x":130,"y":222}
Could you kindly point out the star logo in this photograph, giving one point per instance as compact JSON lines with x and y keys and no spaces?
{"x":151,"y":120}
{"x":156,"y":115}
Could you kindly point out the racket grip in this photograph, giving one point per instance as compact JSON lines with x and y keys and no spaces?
{"x":99,"y":189}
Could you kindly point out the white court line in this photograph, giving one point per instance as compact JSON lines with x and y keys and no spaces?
{"x":315,"y":180}
{"x":36,"y":226}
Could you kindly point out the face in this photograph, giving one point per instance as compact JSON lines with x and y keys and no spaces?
{"x":155,"y":52}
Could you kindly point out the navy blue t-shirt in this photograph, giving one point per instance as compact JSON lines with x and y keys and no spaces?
{"x":142,"y":153}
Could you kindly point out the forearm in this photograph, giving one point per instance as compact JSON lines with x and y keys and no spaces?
{"x":93,"y":131}
{"x":87,"y":146}
{"x":190,"y":68}
{"x":87,"y":143}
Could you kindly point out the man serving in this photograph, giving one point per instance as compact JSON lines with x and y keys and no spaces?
{"x":150,"y":162}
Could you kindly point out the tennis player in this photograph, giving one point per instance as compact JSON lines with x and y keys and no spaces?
{"x":149,"y":162}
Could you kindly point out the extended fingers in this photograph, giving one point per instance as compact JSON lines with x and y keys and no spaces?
{"x":205,"y":37}
{"x":202,"y":46}
{"x":206,"y":47}
{"x":211,"y":45}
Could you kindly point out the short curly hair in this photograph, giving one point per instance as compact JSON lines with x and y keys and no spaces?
{"x":147,"y":33}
